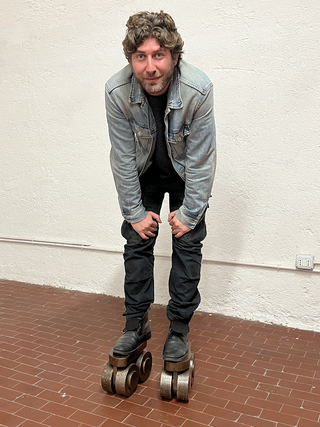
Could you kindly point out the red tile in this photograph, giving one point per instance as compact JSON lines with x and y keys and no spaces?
{"x":244,"y":409}
{"x":9,"y":394}
{"x":215,"y":411}
{"x":75,"y":392}
{"x":265,"y":404}
{"x":260,"y":394}
{"x":212,"y":382}
{"x":295,"y":386}
{"x":164,"y":417}
{"x":258,"y":422}
{"x":300,"y":412}
{"x":32,"y":401}
{"x":205,"y":418}
{"x":235,"y":397}
{"x":274,"y":389}
{"x":87,"y":418}
{"x":305,"y":396}
{"x":57,"y":421}
{"x":8,"y":406}
{"x":103,"y":399}
{"x":308,"y":423}
{"x":242,"y":382}
{"x":132,"y":408}
{"x":219,"y":422}
{"x":29,"y":423}
{"x":112,"y":413}
{"x":263,"y":379}
{"x":162,"y":405}
{"x":32,"y":414}
{"x":76,"y":403}
{"x":136,"y":421}
{"x":313,"y":406}
{"x":211,"y":400}
{"x":58,"y":409}
{"x":291,"y":420}
{"x":10,"y":420}
{"x":112,"y":423}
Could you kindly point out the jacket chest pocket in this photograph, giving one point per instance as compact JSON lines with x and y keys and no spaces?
{"x":142,"y":136}
{"x":178,"y":140}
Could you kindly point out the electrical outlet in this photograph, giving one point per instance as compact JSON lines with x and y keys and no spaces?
{"x":305,"y":262}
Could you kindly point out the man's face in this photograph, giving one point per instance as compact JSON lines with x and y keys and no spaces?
{"x":153,"y":66}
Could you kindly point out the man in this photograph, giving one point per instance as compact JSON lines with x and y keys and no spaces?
{"x":162,"y":133}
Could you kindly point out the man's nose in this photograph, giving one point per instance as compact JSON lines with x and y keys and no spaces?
{"x":150,"y":68}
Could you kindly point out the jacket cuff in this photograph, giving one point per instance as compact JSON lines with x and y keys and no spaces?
{"x":190,"y":221}
{"x":135,"y":216}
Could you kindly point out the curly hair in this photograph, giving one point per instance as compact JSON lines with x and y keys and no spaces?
{"x":145,"y":25}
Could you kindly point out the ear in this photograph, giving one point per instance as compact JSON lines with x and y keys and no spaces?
{"x":175,"y":58}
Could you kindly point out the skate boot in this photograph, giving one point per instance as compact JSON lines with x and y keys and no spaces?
{"x":177,"y":374}
{"x":128,"y":362}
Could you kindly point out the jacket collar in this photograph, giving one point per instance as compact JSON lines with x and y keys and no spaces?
{"x":137,"y":95}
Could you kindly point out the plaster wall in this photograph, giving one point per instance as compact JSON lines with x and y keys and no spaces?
{"x":55,"y":179}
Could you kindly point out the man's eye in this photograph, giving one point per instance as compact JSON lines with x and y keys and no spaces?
{"x":140,"y":56}
{"x":159,"y":55}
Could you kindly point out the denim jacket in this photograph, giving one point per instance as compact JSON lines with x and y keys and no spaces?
{"x":189,"y":133}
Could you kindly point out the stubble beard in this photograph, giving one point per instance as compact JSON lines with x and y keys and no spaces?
{"x":154,"y":88}
{"x":159,"y":86}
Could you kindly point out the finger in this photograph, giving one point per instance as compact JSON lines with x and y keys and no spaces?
{"x":179,"y":234}
{"x":156,"y":217}
{"x":143,"y":236}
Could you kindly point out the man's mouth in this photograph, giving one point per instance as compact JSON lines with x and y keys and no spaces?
{"x":153,"y":78}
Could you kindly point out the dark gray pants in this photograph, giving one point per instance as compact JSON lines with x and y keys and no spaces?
{"x":186,"y":257}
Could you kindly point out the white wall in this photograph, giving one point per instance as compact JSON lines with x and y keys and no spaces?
{"x":55,"y":179}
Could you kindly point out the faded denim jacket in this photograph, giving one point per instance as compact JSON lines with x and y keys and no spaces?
{"x":189,"y":133}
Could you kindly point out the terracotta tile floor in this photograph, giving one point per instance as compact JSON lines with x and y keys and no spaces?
{"x":54,"y":344}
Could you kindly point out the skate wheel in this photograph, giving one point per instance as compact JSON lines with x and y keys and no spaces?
{"x":192,"y":367}
{"x":144,"y":364}
{"x":107,"y":379}
{"x":184,"y":385}
{"x":166,"y":384}
{"x":127,"y":380}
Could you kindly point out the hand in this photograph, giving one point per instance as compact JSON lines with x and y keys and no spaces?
{"x":177,"y":228}
{"x":147,"y":226}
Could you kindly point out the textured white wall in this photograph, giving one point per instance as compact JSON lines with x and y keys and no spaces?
{"x":55,"y":179}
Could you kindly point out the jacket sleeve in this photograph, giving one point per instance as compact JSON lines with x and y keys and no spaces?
{"x":200,"y":163}
{"x":123,"y":161}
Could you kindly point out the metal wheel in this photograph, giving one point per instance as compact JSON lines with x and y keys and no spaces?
{"x":144,"y":364}
{"x":107,"y":379}
{"x":166,"y":384}
{"x":192,"y":367}
{"x":184,"y":385}
{"x":127,"y":380}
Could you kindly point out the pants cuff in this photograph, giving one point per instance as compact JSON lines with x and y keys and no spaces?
{"x":179,"y":327}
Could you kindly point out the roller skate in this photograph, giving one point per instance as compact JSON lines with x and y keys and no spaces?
{"x":177,"y":374}
{"x":128,"y":363}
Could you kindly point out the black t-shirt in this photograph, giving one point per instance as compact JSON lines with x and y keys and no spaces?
{"x":161,"y":163}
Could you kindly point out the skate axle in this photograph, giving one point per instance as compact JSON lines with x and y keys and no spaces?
{"x":122,"y":374}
